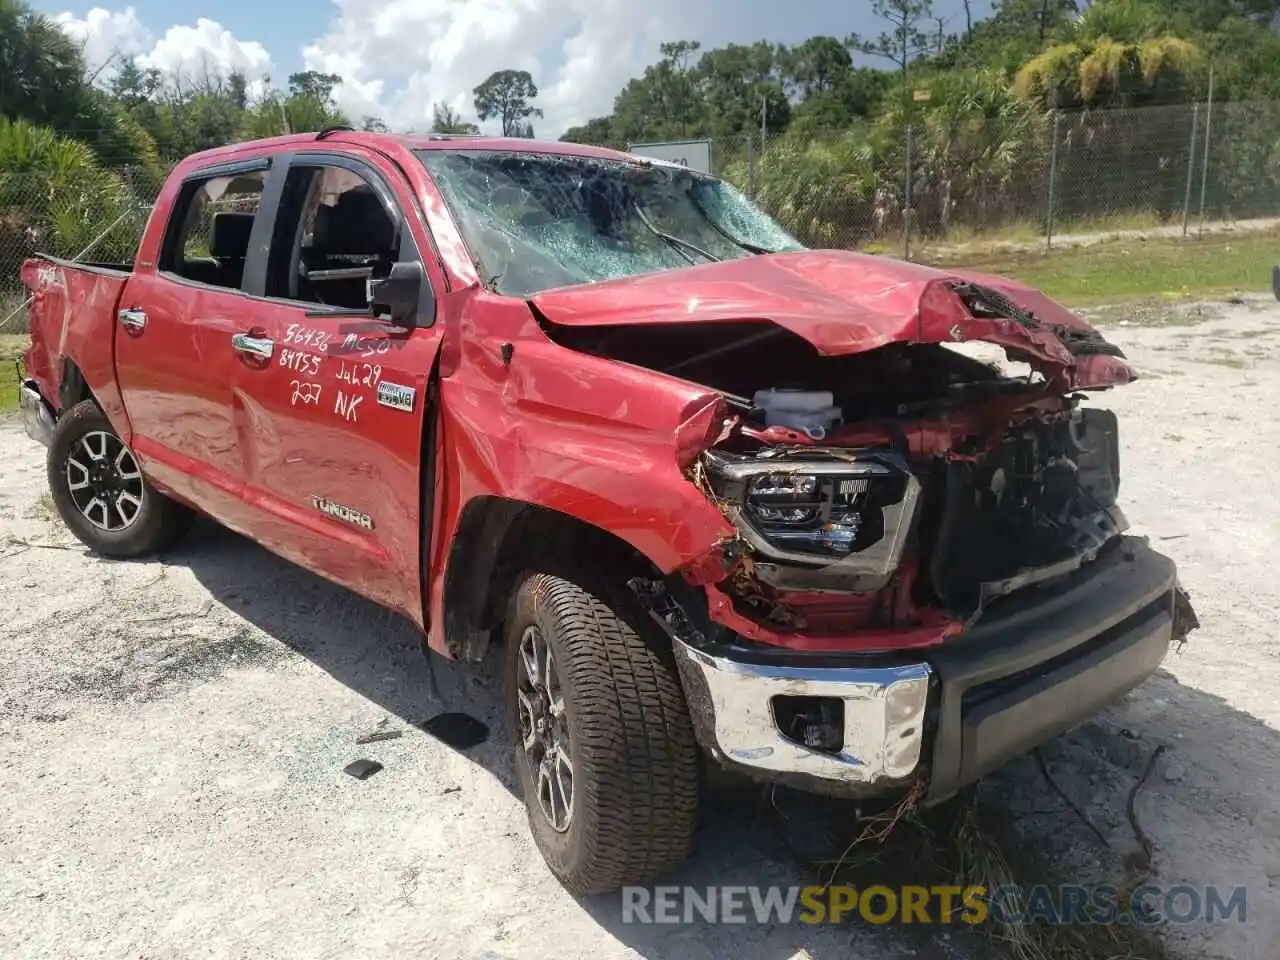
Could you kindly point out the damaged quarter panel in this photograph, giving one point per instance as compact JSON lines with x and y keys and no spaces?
{"x":66,"y":310}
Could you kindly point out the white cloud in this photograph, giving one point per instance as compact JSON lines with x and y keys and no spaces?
{"x":397,"y":57}
{"x":183,"y":51}
{"x":104,"y":34}
{"x":208,"y":46}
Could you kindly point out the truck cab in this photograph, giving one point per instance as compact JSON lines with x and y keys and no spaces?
{"x":712,"y":496}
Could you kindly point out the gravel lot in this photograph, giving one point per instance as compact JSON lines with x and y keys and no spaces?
{"x":173,"y":733}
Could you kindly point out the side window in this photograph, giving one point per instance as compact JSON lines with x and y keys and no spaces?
{"x":208,"y":236}
{"x":332,"y":235}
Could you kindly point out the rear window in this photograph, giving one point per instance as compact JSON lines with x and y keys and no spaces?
{"x":208,"y":235}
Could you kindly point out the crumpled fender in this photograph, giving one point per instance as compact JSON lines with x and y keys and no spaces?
{"x":600,"y":441}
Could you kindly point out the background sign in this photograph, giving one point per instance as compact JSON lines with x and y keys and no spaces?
{"x":694,"y":154}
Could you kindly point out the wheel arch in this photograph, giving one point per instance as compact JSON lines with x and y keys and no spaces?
{"x":72,"y":386}
{"x":495,"y":540}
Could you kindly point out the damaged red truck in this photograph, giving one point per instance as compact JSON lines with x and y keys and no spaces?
{"x":712,"y":494}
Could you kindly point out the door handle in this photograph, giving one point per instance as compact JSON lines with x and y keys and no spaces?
{"x":253,"y":346}
{"x":133,"y":318}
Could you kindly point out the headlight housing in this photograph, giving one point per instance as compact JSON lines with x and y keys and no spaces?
{"x":821,"y":519}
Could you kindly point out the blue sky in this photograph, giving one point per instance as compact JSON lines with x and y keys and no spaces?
{"x":397,"y":57}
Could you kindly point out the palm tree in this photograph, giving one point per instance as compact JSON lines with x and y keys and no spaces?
{"x":1118,"y":53}
{"x":977,"y":149}
{"x":55,"y":198}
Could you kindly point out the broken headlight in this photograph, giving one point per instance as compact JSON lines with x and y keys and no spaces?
{"x":847,"y":515}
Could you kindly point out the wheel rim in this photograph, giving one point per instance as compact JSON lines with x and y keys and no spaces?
{"x":544,"y":729}
{"x":105,"y":482}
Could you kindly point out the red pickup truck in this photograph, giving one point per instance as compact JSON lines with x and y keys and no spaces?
{"x":712,"y":494}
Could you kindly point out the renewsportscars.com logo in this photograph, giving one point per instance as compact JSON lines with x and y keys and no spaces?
{"x":939,"y":904}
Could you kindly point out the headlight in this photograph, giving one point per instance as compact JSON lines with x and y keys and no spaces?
{"x":804,"y":511}
{"x":821,"y":510}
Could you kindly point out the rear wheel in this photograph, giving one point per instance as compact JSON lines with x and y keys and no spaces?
{"x":604,"y":747}
{"x":100,"y":492}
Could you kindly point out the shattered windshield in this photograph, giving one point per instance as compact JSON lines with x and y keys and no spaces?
{"x":535,"y":221}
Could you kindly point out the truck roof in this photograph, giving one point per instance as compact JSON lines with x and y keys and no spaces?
{"x":413,"y":141}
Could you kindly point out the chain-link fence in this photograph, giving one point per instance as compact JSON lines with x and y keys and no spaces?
{"x":948,"y":179}
{"x":87,"y":213}
{"x":1017,"y":178}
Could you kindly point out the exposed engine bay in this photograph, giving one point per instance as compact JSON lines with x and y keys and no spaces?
{"x":911,"y":485}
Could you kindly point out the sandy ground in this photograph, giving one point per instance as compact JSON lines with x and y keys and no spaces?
{"x":172,"y":734}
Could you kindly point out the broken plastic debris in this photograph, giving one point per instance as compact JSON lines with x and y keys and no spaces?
{"x":362,"y":769}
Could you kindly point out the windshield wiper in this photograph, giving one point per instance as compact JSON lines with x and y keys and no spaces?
{"x":679,"y":246}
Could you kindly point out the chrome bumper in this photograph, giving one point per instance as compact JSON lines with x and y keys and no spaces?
{"x":884,"y":717}
{"x":36,"y":415}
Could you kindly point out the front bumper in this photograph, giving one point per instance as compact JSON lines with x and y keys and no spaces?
{"x":37,"y":417}
{"x":1040,"y":662}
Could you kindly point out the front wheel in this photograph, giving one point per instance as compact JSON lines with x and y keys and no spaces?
{"x":604,"y":748}
{"x":100,"y":491}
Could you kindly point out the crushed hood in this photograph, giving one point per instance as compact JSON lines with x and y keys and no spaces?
{"x":843,"y":302}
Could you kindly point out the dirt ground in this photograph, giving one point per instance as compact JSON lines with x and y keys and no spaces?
{"x":173,"y":733}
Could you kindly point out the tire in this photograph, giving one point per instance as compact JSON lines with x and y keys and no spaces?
{"x":100,"y":492}
{"x":635,"y":763}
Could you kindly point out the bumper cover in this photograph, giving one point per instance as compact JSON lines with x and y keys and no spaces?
{"x":1040,"y":662}
{"x":883,"y":713}
{"x":37,"y":418}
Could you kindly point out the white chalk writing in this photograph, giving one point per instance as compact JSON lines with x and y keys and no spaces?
{"x":359,"y":374}
{"x":307,"y":336}
{"x":305,"y":393}
{"x":304,"y":363}
{"x":365,"y":346}
{"x":345,"y":406}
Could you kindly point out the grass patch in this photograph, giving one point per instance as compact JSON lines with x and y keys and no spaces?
{"x":12,"y":346}
{"x":1126,"y":270}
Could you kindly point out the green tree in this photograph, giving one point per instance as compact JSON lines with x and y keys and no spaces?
{"x":310,"y":104}
{"x":445,"y":119}
{"x":907,"y":38}
{"x":740,"y":86}
{"x":42,"y":72}
{"x":830,"y":91}
{"x":507,"y":95}
{"x":599,"y":130}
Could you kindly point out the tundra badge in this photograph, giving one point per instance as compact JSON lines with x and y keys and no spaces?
{"x":395,"y":396}
{"x":338,"y":511}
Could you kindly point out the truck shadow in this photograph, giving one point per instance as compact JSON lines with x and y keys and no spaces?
{"x":754,"y":838}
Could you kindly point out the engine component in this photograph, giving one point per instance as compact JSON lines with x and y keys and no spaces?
{"x":812,"y":411}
